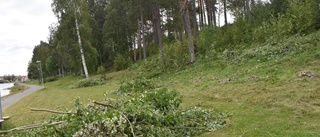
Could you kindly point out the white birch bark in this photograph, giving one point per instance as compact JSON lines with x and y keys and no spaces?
{"x":80,"y":45}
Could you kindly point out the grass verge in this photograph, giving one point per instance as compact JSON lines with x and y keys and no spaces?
{"x":17,"y":88}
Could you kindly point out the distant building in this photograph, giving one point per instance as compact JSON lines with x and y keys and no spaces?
{"x":21,"y":78}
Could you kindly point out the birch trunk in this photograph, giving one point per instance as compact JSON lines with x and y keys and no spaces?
{"x":80,"y":46}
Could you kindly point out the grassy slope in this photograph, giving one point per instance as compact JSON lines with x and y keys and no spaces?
{"x":279,"y":104}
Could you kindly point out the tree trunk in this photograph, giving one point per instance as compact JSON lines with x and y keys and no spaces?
{"x":157,"y":20}
{"x":186,"y":18}
{"x":248,"y":10}
{"x":225,"y":12}
{"x":139,"y":40}
{"x":143,"y":38}
{"x":204,"y":13}
{"x":134,"y":51}
{"x":194,"y":18}
{"x":208,"y":8}
{"x":80,"y":46}
{"x":200,"y":14}
{"x":214,"y":13}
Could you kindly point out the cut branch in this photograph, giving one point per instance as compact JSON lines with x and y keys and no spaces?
{"x":51,"y":111}
{"x":31,"y":126}
{"x":104,"y":104}
{"x":132,"y":131}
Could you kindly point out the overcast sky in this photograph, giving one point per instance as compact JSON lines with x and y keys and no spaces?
{"x":22,"y":25}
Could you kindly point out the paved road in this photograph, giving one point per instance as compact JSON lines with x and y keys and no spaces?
{"x":7,"y":101}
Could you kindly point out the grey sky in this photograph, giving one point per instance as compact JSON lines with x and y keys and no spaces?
{"x":22,"y":25}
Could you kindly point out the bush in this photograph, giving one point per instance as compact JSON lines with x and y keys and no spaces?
{"x":176,"y":55}
{"x":51,"y":79}
{"x":137,"y":85}
{"x":121,"y":62}
{"x":101,"y":70}
{"x":87,"y":83}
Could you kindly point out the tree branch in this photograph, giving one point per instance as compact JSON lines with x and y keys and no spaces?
{"x":51,"y":111}
{"x":132,"y":131}
{"x":31,"y":126}
{"x":103,"y":104}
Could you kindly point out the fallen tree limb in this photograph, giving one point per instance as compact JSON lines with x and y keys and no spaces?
{"x":31,"y":126}
{"x":103,"y":104}
{"x":132,"y":131}
{"x":51,"y":111}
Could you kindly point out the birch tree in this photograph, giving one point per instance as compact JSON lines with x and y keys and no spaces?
{"x":75,"y":35}
{"x":83,"y":59}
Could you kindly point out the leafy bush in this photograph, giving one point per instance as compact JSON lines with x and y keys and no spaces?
{"x":87,"y":83}
{"x":175,"y":54}
{"x":152,"y":67}
{"x":50,"y":79}
{"x":101,"y":70}
{"x":137,"y":85}
{"x":121,"y":62}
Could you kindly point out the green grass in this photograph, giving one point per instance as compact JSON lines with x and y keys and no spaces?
{"x":278,"y":103}
{"x":17,"y":88}
{"x":55,"y":95}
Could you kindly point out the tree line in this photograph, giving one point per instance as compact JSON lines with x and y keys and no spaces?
{"x":96,"y":35}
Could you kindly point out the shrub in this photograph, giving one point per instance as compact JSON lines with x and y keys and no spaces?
{"x":101,"y":70}
{"x":121,"y":62}
{"x":176,"y":55}
{"x":87,"y":83}
{"x":137,"y":85}
{"x":50,"y":79}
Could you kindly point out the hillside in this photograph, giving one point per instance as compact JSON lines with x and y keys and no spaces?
{"x":269,"y":89}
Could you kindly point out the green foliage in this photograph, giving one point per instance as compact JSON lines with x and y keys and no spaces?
{"x":163,"y":99}
{"x":286,"y":18}
{"x":140,"y":84}
{"x":40,"y":53}
{"x":206,"y":40}
{"x":101,"y":70}
{"x":121,"y":62}
{"x":272,"y":50}
{"x":51,"y":66}
{"x":303,"y":15}
{"x":152,"y":113}
{"x":17,"y":88}
{"x":87,"y":83}
{"x":50,"y":79}
{"x":176,"y":54}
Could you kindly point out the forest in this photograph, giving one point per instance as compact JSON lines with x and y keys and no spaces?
{"x":94,"y":36}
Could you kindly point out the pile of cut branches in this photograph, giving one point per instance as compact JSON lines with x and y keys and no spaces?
{"x":151,"y":113}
